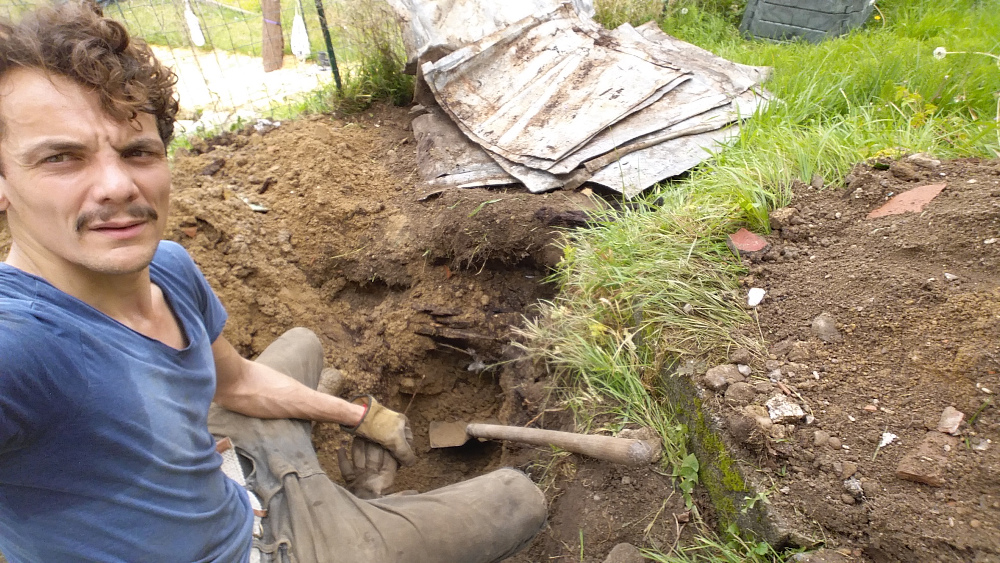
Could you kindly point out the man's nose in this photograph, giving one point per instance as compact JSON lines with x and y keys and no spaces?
{"x":113,"y":181}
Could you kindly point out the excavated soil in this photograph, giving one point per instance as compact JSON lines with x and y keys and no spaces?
{"x":414,"y":294}
{"x":915,"y":306}
{"x":414,"y":297}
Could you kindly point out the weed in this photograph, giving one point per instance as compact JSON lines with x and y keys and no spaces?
{"x":686,"y":474}
{"x":376,"y":50}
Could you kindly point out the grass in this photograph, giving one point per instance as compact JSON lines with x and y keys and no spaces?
{"x":654,"y":285}
{"x":235,"y":26}
{"x":366,"y":40}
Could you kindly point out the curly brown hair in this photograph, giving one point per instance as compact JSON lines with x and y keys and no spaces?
{"x":76,"y":41}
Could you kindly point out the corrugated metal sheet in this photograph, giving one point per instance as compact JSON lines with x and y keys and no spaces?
{"x":554,"y":100}
{"x":541,"y":89}
{"x":429,"y":23}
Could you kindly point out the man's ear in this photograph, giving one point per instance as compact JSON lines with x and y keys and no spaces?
{"x":4,"y":202}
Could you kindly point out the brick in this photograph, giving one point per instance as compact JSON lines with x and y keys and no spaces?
{"x":928,"y":462}
{"x":913,"y":200}
{"x":743,"y":242}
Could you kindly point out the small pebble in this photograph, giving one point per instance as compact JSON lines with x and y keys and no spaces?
{"x":847,"y":499}
{"x":834,"y":442}
{"x":821,"y":438}
{"x":626,"y":480}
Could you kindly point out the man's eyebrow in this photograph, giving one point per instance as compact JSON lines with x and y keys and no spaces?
{"x":53,"y":146}
{"x":149,"y":144}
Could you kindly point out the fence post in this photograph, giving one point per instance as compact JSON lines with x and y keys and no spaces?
{"x":273,"y":48}
{"x":329,"y":43}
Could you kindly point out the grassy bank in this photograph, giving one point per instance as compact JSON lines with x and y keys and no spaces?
{"x":656,"y":287}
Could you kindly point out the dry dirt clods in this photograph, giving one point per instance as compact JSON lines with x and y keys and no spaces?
{"x":886,"y":332}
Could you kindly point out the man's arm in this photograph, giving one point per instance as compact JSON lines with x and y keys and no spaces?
{"x":259,"y":391}
{"x":256,"y":390}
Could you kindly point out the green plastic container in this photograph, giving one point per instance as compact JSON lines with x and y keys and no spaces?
{"x":811,"y":20}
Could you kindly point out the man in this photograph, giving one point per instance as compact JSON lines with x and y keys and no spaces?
{"x":111,"y":351}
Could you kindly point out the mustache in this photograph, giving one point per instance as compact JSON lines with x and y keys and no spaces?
{"x":133,"y":210}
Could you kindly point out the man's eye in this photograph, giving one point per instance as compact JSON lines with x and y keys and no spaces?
{"x":56,"y":158}
{"x":139,"y":153}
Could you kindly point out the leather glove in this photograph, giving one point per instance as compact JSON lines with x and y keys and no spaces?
{"x":370,"y":469}
{"x":387,"y":427}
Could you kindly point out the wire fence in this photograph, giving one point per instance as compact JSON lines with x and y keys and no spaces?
{"x":237,"y":60}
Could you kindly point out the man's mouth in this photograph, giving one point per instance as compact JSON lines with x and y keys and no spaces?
{"x":118,"y":223}
{"x":120,"y":230}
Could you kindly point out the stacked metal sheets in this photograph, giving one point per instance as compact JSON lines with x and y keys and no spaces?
{"x":553,"y":100}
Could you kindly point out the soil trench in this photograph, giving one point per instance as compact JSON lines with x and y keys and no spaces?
{"x":413,"y":298}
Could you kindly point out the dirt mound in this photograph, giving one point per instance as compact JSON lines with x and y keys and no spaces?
{"x":910,"y":327}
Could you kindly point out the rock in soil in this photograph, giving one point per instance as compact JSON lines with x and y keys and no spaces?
{"x":824,"y":327}
{"x":625,"y":553}
{"x":783,"y":410}
{"x":821,"y":556}
{"x":719,"y":377}
{"x":782,"y":217}
{"x":951,"y":419}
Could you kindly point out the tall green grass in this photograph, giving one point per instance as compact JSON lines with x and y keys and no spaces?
{"x":654,"y":286}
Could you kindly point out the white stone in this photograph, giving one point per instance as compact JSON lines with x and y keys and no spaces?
{"x":755,"y":296}
{"x":783,"y":410}
{"x":887,"y":438}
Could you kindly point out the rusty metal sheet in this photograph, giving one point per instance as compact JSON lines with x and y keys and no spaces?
{"x":543,"y":87}
{"x":694,"y":55}
{"x":635,"y":171}
{"x":447,"y":158}
{"x":714,"y":83}
{"x":456,"y":23}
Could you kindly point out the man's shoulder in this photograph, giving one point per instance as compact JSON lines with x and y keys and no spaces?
{"x":30,"y":337}
{"x":170,"y":254}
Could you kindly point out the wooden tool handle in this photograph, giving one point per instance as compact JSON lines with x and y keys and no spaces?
{"x":617,"y":450}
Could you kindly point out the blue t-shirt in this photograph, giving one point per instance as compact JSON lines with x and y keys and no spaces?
{"x":105,"y":453}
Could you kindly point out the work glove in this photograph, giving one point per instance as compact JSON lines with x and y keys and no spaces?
{"x":370,"y":469}
{"x":387,"y":427}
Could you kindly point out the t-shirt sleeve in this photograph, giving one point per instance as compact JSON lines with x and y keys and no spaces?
{"x":179,"y":262}
{"x":38,"y":382}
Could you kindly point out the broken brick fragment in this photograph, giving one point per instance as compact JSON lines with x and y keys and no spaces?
{"x":928,"y":462}
{"x":913,"y":200}
{"x":744,"y":243}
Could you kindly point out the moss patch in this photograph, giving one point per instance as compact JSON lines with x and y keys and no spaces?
{"x":723,"y":475}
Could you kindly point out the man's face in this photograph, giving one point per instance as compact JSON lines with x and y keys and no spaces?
{"x":83,"y":193}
